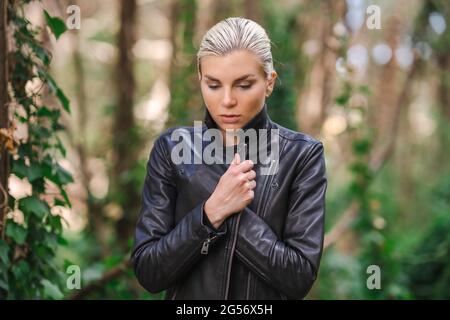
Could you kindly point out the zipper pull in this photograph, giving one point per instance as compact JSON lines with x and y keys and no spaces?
{"x":205,"y":246}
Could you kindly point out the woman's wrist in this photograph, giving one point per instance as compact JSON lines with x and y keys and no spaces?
{"x":213,"y":214}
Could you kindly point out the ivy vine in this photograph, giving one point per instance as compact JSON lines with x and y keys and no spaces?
{"x":369,"y":224}
{"x":33,"y":228}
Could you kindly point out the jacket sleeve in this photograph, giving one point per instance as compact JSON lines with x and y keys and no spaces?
{"x":163,"y":251}
{"x":290,"y":264}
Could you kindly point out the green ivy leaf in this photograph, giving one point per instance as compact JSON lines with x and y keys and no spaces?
{"x":63,"y":99}
{"x":60,"y":146}
{"x":62,"y":241}
{"x":59,"y":202}
{"x":359,"y":168}
{"x":35,"y":205}
{"x":56,"y":126}
{"x":345,"y":95}
{"x":42,"y":132}
{"x":57,"y":25}
{"x":55,"y":89}
{"x":16,"y":232}
{"x":44,"y":112}
{"x":43,"y":252}
{"x":21,"y":270}
{"x":64,"y":177}
{"x":50,"y":239}
{"x":34,"y":171}
{"x":55,"y":222}
{"x":4,"y":250}
{"x":51,"y":290}
{"x":40,"y":52}
{"x":342,"y":99}
{"x":361,"y":147}
{"x":68,"y":263}
{"x":66,"y":197}
{"x":4,"y":285}
{"x":19,"y":168}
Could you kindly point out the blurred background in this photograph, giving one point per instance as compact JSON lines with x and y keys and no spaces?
{"x":86,"y":99}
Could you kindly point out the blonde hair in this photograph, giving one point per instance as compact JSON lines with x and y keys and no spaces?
{"x":237,"y":34}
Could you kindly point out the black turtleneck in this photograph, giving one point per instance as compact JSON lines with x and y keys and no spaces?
{"x":257,"y":122}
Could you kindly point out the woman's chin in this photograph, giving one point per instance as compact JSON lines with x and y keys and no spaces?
{"x":231,"y":127}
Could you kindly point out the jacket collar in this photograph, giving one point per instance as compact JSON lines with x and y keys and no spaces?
{"x":260,"y":121}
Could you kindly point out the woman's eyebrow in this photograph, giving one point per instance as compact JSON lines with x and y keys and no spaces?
{"x":238,"y":79}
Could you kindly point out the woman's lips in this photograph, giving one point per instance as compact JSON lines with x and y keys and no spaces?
{"x":230,"y":118}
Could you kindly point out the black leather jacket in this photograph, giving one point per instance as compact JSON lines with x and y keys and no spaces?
{"x":270,"y":250}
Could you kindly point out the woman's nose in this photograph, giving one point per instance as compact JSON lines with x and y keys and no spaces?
{"x":228,"y":100}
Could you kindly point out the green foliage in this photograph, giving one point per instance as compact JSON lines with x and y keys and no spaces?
{"x":373,"y":248}
{"x":16,"y":232}
{"x":428,"y":268}
{"x":339,"y":276}
{"x":289,"y":63}
{"x":55,"y":24}
{"x":185,"y":99}
{"x":343,"y":98}
{"x":84,"y":251}
{"x":27,"y":251}
{"x":55,"y":89}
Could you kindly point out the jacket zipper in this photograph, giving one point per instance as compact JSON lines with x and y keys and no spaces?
{"x":236,"y":229}
{"x":205,"y":245}
{"x":258,"y":210}
{"x":233,"y":247}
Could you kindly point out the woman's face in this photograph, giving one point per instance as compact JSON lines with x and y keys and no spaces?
{"x":234,"y":88}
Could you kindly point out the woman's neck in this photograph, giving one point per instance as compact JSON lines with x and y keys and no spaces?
{"x":230,"y":138}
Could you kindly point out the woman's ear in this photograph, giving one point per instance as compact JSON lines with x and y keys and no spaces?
{"x":271,"y":83}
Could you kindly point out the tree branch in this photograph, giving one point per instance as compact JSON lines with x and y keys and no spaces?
{"x":4,"y":112}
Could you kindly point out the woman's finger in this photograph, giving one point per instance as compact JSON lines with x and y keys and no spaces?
{"x":251,"y":184}
{"x":251,"y":175}
{"x":236,"y":159}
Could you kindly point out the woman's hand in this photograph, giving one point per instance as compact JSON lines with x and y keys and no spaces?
{"x":233,"y":192}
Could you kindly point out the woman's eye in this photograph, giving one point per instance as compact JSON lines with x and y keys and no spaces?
{"x":245,"y":86}
{"x":213,"y":87}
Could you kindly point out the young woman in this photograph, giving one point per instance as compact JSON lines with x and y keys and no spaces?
{"x":233,"y":230}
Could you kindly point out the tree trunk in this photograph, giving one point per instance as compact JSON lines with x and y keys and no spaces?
{"x":4,"y":113}
{"x":222,"y":9}
{"x":205,"y":18}
{"x":124,"y":134}
{"x":315,"y":101}
{"x":94,"y":206}
{"x":443,"y":99}
{"x":388,"y":88}
{"x":252,"y":10}
{"x":444,"y":85}
{"x":185,"y":102}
